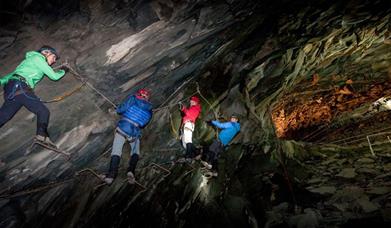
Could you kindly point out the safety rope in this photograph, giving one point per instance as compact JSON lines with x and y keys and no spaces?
{"x":210,"y":108}
{"x":85,"y":81}
{"x":173,"y":130}
{"x":66,"y":94}
{"x":172,"y":105}
{"x":206,"y":100}
{"x":286,"y":176}
{"x":172,"y":94}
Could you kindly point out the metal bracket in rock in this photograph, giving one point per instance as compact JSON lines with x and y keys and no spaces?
{"x":100,"y":177}
{"x":95,"y":174}
{"x":168,"y":172}
{"x":49,"y":147}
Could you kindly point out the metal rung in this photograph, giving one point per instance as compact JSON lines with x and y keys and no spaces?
{"x":168,"y":172}
{"x":99,"y":185}
{"x":191,"y":170}
{"x":140,"y":185}
{"x":91,"y":171}
{"x":51,"y":148}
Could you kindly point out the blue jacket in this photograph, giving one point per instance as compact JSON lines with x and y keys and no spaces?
{"x":134,"y":112}
{"x":230,"y":129}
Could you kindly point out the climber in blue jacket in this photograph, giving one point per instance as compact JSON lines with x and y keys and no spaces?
{"x":136,"y":112}
{"x":228,"y":132}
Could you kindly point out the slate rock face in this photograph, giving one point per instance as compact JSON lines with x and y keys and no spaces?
{"x":284,"y":70}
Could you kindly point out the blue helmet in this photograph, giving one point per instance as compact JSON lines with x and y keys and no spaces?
{"x":49,"y":48}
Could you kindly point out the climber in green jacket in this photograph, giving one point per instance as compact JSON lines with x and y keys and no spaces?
{"x":18,"y":88}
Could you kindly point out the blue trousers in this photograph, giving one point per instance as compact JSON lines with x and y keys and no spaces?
{"x":15,"y":98}
{"x":119,"y":141}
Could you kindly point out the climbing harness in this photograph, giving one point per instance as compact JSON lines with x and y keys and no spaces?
{"x":18,"y":89}
{"x":127,"y":138}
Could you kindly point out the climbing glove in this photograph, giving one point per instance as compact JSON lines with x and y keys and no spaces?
{"x":209,"y":122}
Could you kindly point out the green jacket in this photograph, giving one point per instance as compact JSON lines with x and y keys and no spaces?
{"x":32,"y":69}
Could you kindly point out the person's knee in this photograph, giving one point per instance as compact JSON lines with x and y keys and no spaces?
{"x":116,"y":150}
{"x":42,"y":113}
{"x":135,"y":153}
{"x":6,"y":113}
{"x":135,"y":156}
{"x":4,"y":117}
{"x":116,"y":153}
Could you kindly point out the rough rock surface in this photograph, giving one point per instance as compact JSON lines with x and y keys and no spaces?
{"x":301,"y":78}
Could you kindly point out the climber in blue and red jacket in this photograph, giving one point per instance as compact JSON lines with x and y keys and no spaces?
{"x":136,"y":112}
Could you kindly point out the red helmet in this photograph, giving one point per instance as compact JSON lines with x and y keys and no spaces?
{"x":195,"y":99}
{"x":143,"y":94}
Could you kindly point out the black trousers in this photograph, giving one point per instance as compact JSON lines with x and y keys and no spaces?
{"x":214,"y":151}
{"x":15,"y":98}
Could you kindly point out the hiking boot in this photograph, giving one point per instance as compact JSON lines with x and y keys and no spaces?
{"x":210,"y":174}
{"x":46,"y":140}
{"x":198,"y":157}
{"x":108,"y":180}
{"x":133,"y":163}
{"x":131,"y":178}
{"x":206,"y":164}
{"x":113,"y":169}
{"x":189,"y":150}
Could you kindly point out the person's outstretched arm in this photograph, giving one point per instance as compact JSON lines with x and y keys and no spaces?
{"x":221,"y":125}
{"x":46,"y":69}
